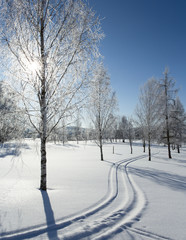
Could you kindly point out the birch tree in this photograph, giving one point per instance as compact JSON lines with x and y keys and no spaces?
{"x":49,"y":46}
{"x":102,"y":104}
{"x":130,"y":133}
{"x":148,"y":109}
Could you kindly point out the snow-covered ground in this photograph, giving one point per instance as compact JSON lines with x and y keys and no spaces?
{"x":124,"y":197}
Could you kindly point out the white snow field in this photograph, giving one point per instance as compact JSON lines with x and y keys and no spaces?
{"x":124,"y":197}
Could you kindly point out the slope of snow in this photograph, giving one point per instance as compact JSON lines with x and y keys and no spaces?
{"x":123,"y":197}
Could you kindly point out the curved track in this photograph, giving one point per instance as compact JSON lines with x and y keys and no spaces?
{"x":115,"y":212}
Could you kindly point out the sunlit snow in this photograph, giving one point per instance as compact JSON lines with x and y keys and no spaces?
{"x":124,"y":197}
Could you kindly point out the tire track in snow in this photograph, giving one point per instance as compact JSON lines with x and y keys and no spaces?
{"x":84,"y":225}
{"x":133,"y":211}
{"x":112,"y":192}
{"x":118,"y":220}
{"x":130,"y":208}
{"x":148,"y":234}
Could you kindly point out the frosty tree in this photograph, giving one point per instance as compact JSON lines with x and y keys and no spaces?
{"x":77,"y":129}
{"x":49,"y":46}
{"x":102,"y":104}
{"x":130,"y":132}
{"x":10,"y":120}
{"x":147,"y":111}
{"x":123,"y":127}
{"x":178,"y":118}
{"x":167,"y":97}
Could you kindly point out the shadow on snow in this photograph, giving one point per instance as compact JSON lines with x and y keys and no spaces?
{"x":50,"y":220}
{"x":172,"y":181}
{"x":11,"y":149}
{"x":32,"y":232}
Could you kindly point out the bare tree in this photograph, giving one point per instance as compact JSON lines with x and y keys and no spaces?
{"x":147,"y":111}
{"x":178,"y":118}
{"x":123,"y":127}
{"x":78,"y":130}
{"x":130,"y":132}
{"x":63,"y":133}
{"x":49,"y":46}
{"x":167,"y":85}
{"x":102,"y":104}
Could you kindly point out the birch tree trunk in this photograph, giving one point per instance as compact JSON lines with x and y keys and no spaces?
{"x":43,"y":184}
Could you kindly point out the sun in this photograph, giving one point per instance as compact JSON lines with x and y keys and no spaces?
{"x":31,"y":66}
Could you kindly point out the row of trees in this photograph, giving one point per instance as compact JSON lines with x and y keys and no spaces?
{"x":50,"y":58}
{"x":160,"y":114}
{"x":156,"y":119}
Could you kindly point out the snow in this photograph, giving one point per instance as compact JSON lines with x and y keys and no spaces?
{"x":124,"y":197}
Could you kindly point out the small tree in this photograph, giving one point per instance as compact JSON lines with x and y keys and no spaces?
{"x":123,"y":127}
{"x":77,"y":130}
{"x":63,"y":133}
{"x":130,"y":132}
{"x":102,"y":104}
{"x":147,"y":111}
{"x":110,"y":133}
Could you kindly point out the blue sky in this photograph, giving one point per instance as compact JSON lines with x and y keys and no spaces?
{"x":142,"y":37}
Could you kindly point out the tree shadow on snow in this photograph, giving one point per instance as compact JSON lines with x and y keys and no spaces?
{"x":11,"y":149}
{"x":173,"y":181}
{"x":50,"y":220}
{"x":179,"y":162}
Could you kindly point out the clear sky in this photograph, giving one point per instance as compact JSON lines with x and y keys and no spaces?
{"x":142,"y":37}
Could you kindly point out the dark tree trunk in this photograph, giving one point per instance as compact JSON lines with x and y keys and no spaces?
{"x":178,"y":148}
{"x":149,"y":145}
{"x":131,"y":150}
{"x":167,"y":117}
{"x":144,"y":145}
{"x":101,"y":145}
{"x":101,"y":152}
{"x":149,"y":149}
{"x":168,"y":143}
